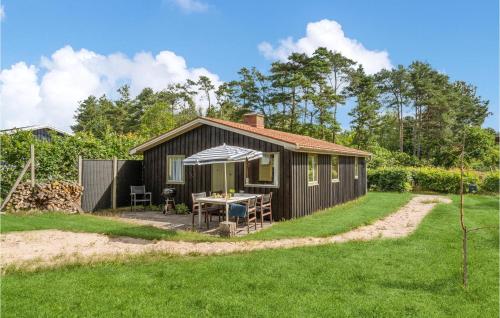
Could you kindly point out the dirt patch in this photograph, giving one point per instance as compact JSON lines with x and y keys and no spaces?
{"x":34,"y":249}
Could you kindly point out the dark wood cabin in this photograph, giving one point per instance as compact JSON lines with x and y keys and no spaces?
{"x":304,"y":174}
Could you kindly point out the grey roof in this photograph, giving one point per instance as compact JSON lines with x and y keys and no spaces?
{"x":32,"y":128}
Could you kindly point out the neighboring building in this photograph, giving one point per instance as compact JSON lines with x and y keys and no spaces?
{"x":305,"y":174}
{"x":41,"y":132}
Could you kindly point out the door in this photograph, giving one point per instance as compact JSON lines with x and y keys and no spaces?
{"x":218,"y":177}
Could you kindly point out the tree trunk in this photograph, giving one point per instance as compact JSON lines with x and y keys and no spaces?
{"x":209,"y":108}
{"x":464,"y":247}
{"x":462,"y":224}
{"x":419,"y":133}
{"x":415,"y":124}
{"x":334,"y":132}
{"x":400,"y":111}
{"x":292,"y":112}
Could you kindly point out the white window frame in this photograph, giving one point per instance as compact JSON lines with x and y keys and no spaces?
{"x":276,"y":165}
{"x":338,"y":168}
{"x":356,"y":168}
{"x":173,"y":157}
{"x":316,"y":170}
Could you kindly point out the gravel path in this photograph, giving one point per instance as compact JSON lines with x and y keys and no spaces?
{"x":32,"y":249}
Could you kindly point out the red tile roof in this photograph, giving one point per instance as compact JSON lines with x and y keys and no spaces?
{"x":301,"y":142}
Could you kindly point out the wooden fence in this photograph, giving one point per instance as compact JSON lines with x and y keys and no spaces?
{"x":106,"y":183}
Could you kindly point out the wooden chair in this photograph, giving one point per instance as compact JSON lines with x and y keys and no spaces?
{"x":139,"y":194}
{"x":207,"y":210}
{"x":264,"y":208}
{"x":251,"y":213}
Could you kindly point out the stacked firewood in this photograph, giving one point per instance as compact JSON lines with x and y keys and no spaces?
{"x":50,"y":196}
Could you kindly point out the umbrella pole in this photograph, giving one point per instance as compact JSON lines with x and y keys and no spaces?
{"x":225,"y":191}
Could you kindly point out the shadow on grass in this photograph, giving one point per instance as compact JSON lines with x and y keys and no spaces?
{"x":440,"y":286}
{"x":482,"y":205}
{"x":152,"y":233}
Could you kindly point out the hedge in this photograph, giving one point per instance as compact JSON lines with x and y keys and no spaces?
{"x":58,"y":159}
{"x":387,"y":179}
{"x":404,"y":179}
{"x":441,"y":180}
{"x":491,"y":182}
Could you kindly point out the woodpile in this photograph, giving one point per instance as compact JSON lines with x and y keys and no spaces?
{"x":50,"y":196}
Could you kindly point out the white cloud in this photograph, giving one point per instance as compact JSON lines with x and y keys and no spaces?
{"x":2,"y":12}
{"x":19,"y":95}
{"x":189,"y":6}
{"x":49,"y":93}
{"x":329,"y":34}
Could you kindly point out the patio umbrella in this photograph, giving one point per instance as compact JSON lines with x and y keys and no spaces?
{"x":223,"y":154}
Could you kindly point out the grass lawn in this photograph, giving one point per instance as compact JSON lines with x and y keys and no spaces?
{"x":339,"y":219}
{"x":418,"y":276}
{"x":92,"y":224}
{"x":329,"y":222}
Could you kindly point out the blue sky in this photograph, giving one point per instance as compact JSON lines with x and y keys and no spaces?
{"x":80,"y":39}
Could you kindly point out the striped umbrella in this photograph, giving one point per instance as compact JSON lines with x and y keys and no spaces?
{"x":222,"y":154}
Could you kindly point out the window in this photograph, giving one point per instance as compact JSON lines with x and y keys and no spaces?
{"x":175,"y":169}
{"x":262,"y":172}
{"x":356,"y":168}
{"x":335,"y":168}
{"x":312,"y":169}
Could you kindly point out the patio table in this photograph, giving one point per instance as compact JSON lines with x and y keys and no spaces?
{"x":237,"y":198}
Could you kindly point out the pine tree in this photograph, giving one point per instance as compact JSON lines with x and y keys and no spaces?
{"x":394,"y":86}
{"x":157,"y":119}
{"x":336,"y":70}
{"x":205,"y":85}
{"x":91,"y":116}
{"x":365,"y":116}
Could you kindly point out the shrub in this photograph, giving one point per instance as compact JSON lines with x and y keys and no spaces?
{"x":383,"y":157}
{"x":181,"y":208}
{"x":424,"y":179}
{"x":390,"y":179}
{"x":491,"y":182}
{"x":441,"y":180}
{"x":58,"y":159}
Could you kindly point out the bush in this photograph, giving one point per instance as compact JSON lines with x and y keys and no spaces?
{"x":383,"y":157}
{"x":181,"y":208}
{"x":58,"y":159}
{"x":424,"y":179}
{"x":441,"y":180}
{"x":387,"y":179}
{"x":491,"y":182}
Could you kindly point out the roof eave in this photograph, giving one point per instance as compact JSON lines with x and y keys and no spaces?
{"x":206,"y":121}
{"x":196,"y":123}
{"x":165,"y":136}
{"x":33,"y":128}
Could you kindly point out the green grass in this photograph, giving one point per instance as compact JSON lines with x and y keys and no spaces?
{"x":329,"y":222}
{"x":339,"y":219}
{"x":418,"y":276}
{"x":93,"y":224}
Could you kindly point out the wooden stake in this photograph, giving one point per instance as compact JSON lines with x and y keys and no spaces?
{"x":32,"y":151}
{"x":113,"y":193}
{"x":80,"y":166}
{"x":465,"y":278}
{"x":462,"y":223}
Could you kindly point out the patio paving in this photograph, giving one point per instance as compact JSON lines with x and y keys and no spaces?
{"x":183,"y":222}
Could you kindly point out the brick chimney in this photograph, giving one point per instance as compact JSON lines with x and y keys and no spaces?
{"x":254,"y":120}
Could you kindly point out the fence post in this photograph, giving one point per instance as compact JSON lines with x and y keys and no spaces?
{"x":32,"y":153}
{"x":80,"y":166}
{"x":113,"y":192}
